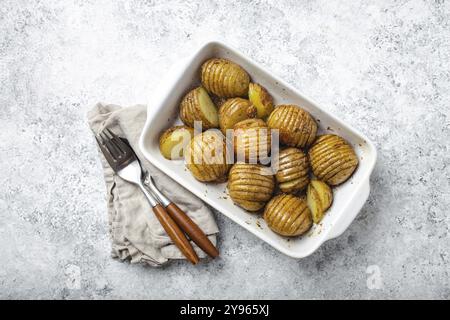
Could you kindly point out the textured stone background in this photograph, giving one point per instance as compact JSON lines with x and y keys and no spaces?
{"x":382,"y":66}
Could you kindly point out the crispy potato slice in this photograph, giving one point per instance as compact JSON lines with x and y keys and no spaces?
{"x":332,"y":159}
{"x":206,"y":157}
{"x":296,"y":126}
{"x":319,"y":197}
{"x":173,"y":141}
{"x":250,"y":186}
{"x":261,"y":99}
{"x":233,"y":111}
{"x":252,"y":140}
{"x":288,"y":215}
{"x":293,"y":170}
{"x":224,"y":78}
{"x":198,"y":106}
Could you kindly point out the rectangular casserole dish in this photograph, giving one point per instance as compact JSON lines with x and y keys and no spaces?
{"x":163,"y":112}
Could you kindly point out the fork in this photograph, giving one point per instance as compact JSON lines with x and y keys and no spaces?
{"x":123,"y":161}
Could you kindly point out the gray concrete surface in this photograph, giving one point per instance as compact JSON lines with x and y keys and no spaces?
{"x":382,"y":66}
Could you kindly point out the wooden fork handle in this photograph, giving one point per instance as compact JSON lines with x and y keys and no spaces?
{"x":175,"y":233}
{"x":192,"y":229}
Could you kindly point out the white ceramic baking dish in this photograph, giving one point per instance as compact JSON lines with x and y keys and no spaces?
{"x":163,"y":113}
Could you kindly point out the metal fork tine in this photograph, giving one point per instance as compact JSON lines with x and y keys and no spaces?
{"x":111,"y":134}
{"x":109,"y":146}
{"x":119,"y":142}
{"x":103,"y":137}
{"x":115,"y":139}
{"x":115,"y":152}
{"x":101,"y":142}
{"x":105,"y":151}
{"x":98,"y":140}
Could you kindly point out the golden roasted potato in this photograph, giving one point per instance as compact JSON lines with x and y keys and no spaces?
{"x":206,"y":157}
{"x":233,"y":111}
{"x":251,"y":140}
{"x":250,"y":185}
{"x":173,"y":141}
{"x":319,"y":198}
{"x":293,"y":168}
{"x":261,"y":99}
{"x":332,"y":159}
{"x":224,"y":78}
{"x":288,"y":215}
{"x":198,"y":106}
{"x":296,"y":126}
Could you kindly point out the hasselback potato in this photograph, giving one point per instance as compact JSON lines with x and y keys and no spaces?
{"x":261,"y":99}
{"x":234,"y":110}
{"x":251,"y":140}
{"x":296,"y":126}
{"x":224,"y":78}
{"x":293,"y":169}
{"x":198,"y":106}
{"x":332,"y":159}
{"x":206,"y":156}
{"x":173,"y":141}
{"x":288,"y":215}
{"x":250,"y":185}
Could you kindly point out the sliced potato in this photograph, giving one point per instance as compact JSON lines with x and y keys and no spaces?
{"x":174,"y":140}
{"x":250,"y":185}
{"x":252,"y":140}
{"x":296,"y":126}
{"x":319,"y":197}
{"x":224,"y":78}
{"x":332,"y":159}
{"x":206,"y":157}
{"x":288,"y":215}
{"x":293,"y":168}
{"x":261,"y":99}
{"x":233,"y":111}
{"x":198,"y":106}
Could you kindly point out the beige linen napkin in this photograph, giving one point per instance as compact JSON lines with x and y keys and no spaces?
{"x":135,"y":232}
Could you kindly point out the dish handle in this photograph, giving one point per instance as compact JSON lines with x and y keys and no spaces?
{"x":350,"y":213}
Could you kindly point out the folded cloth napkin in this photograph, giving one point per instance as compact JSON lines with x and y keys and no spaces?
{"x":135,"y":231}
